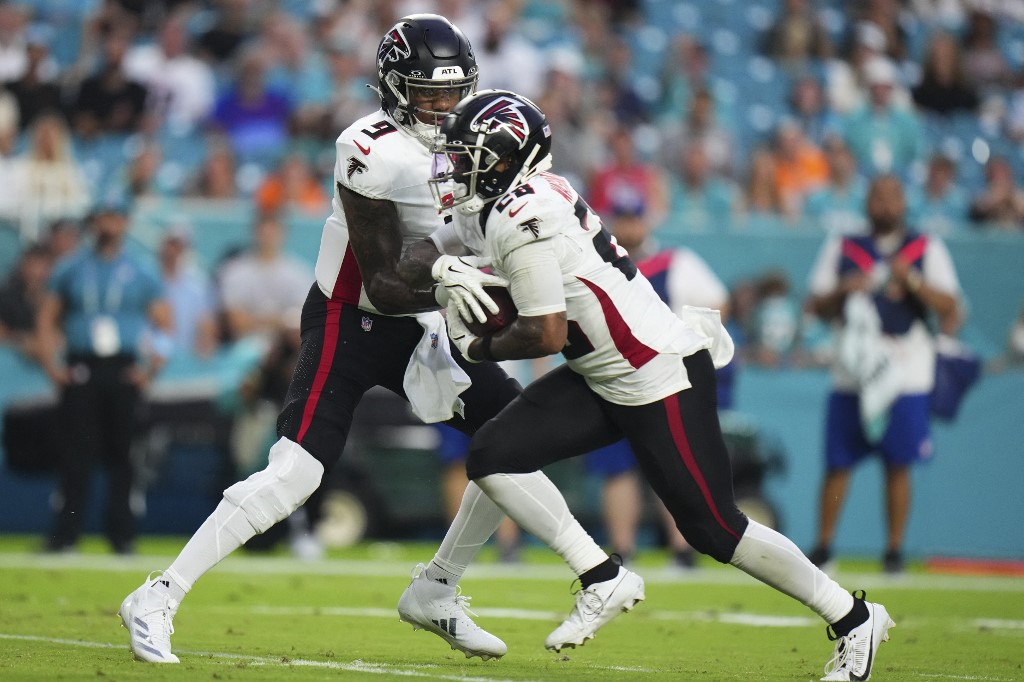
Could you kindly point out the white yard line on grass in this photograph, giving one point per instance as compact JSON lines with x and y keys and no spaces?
{"x":554,"y":572}
{"x":354,"y":666}
{"x":980,"y":678}
{"x":758,"y":620}
{"x":731,"y":618}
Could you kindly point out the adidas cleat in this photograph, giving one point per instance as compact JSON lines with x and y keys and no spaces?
{"x":441,"y":609}
{"x":147,"y":613}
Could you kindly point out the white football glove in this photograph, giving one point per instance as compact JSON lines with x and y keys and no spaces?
{"x":464,"y":283}
{"x":458,"y":332}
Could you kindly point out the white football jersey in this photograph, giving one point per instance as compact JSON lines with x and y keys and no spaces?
{"x":622,"y":338}
{"x":379,"y":159}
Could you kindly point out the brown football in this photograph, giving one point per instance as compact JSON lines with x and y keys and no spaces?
{"x":507,"y":313}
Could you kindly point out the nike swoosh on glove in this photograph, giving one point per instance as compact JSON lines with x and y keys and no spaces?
{"x":458,"y":332}
{"x":464,"y":281}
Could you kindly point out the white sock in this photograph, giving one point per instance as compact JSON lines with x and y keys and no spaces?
{"x":223,"y":531}
{"x":773,"y":559}
{"x":477,"y":519}
{"x":533,"y":501}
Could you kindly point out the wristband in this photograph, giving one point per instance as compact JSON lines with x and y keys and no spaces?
{"x":485,"y":348}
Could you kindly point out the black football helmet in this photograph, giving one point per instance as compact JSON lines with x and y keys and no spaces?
{"x":423,"y":57}
{"x":493,"y":141}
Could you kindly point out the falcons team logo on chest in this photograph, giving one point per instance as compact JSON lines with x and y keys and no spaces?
{"x":354,"y":166}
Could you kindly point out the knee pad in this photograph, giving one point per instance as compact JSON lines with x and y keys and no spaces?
{"x":271,"y":495}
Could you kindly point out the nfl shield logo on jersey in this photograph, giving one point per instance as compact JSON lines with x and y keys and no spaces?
{"x":366,"y":323}
{"x":433,"y":341}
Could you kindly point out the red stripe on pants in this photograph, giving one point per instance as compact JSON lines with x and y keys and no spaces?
{"x":675,"y":425}
{"x":323,"y":369}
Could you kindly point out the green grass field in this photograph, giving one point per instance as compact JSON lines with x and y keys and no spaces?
{"x":273,"y":618}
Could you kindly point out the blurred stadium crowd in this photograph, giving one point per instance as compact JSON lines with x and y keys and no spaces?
{"x":704,"y":116}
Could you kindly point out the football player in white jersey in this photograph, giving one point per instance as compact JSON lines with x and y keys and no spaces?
{"x":362,"y":326}
{"x":633,"y":368}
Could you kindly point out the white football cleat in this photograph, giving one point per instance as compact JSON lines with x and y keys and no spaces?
{"x":147,"y":613}
{"x":595,"y":606}
{"x":854,"y":654}
{"x":441,"y":609}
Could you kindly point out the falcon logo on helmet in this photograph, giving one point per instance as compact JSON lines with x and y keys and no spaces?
{"x":506,"y":113}
{"x":394,"y":47}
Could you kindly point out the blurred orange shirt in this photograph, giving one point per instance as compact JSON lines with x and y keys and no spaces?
{"x":796,"y":177}
{"x":272,"y":196}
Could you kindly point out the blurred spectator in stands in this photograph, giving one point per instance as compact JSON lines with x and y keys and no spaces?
{"x":109,"y":101}
{"x":349,"y":98}
{"x":262,"y":290}
{"x":838,"y":207}
{"x":593,"y":31}
{"x":699,"y":126}
{"x":46,"y":181}
{"x":880,"y":290}
{"x":254,"y":116}
{"x":762,"y":197}
{"x":807,"y":106}
{"x":63,"y":238}
{"x":296,"y":64}
{"x":884,"y":137}
{"x":140,"y":175}
{"x":986,"y":65}
{"x":686,"y":69}
{"x":885,"y":15}
{"x":181,"y":87}
{"x":800,"y":168}
{"x":1001,"y":203}
{"x":215,"y":178}
{"x":189,"y":292}
{"x":100,"y":301}
{"x":940,"y":206}
{"x":704,"y":201}
{"x":797,"y":36}
{"x":847,"y":79}
{"x":8,"y":140}
{"x":949,"y":15}
{"x":507,"y":61}
{"x":625,"y":173}
{"x":13,"y":51}
{"x":616,"y":85}
{"x":776,"y":321}
{"x":36,"y":90}
{"x":233,"y":26}
{"x":944,"y":88}
{"x":577,"y":150}
{"x":292,"y":186}
{"x":21,"y":296}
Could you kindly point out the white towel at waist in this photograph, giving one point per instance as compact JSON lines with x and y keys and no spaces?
{"x":433,"y":380}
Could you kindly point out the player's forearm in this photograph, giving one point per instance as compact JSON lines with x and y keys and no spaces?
{"x":392,"y":296}
{"x":526,"y":338}
{"x":414,"y":268}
